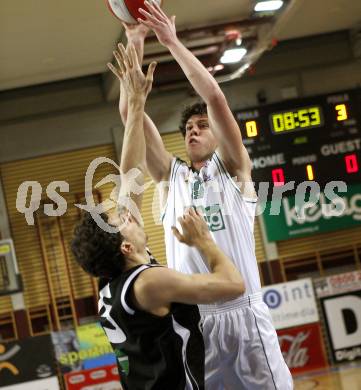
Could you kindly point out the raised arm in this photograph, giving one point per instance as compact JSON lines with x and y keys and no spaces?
{"x":157,"y":288}
{"x":137,"y":86}
{"x":221,"y":119}
{"x":157,"y":158}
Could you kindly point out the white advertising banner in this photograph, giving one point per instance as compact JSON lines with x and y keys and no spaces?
{"x":41,"y":384}
{"x":291,"y":304}
{"x":340,"y":299}
{"x":338,"y":284}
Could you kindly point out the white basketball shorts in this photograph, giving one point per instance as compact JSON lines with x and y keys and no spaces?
{"x":242,"y":349}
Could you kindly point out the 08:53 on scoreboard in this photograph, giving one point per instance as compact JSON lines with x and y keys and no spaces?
{"x":314,"y":138}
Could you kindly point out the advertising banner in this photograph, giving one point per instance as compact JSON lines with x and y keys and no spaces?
{"x":51,"y":383}
{"x":28,"y":363}
{"x":66,"y":346}
{"x":102,"y":378}
{"x":302,"y":348}
{"x":338,"y":284}
{"x":291,"y":304}
{"x":95,"y":350}
{"x":81,"y":349}
{"x":340,"y":299}
{"x":302,"y":219}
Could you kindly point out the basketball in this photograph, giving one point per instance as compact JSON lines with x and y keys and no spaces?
{"x":127,"y":10}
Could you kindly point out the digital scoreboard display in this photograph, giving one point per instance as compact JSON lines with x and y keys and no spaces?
{"x":309,"y":139}
{"x":299,"y":119}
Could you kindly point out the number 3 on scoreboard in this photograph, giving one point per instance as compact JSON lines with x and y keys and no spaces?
{"x":341,"y":112}
{"x":315,"y":116}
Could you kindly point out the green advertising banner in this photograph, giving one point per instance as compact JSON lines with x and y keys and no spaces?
{"x":293,"y":217}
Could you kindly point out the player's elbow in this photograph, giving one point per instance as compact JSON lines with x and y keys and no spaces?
{"x":236,"y":283}
{"x":236,"y":286}
{"x":137,"y":176}
{"x":216,"y":97}
{"x":227,"y":291}
{"x":235,"y":289}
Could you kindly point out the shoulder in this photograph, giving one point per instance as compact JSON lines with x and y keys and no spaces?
{"x":124,"y":286}
{"x":157,"y":287}
{"x":179,"y":163}
{"x":151,"y":280}
{"x":179,"y":169}
{"x":241,"y":179}
{"x":150,"y":290}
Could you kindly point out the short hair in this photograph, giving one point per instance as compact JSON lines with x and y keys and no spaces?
{"x":199,"y":108}
{"x":95,"y":250}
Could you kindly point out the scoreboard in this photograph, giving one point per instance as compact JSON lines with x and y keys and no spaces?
{"x":308,"y":139}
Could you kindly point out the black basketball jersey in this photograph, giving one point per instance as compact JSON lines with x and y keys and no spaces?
{"x":153,"y":353}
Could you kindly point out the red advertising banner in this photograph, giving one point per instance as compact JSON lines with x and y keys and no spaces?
{"x":101,"y":378}
{"x":302,"y":348}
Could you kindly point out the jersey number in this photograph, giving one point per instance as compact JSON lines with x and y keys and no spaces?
{"x":116,"y":335}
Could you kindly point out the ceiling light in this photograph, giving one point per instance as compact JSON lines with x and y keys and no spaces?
{"x":232,"y":56}
{"x":218,"y":67}
{"x":269,"y":5}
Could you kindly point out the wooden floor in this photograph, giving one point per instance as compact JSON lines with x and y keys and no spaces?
{"x":346,"y":378}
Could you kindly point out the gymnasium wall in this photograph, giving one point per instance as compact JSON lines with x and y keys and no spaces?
{"x":57,"y":292}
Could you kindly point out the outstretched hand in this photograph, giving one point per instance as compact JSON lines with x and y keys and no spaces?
{"x":195,"y":229}
{"x":130,"y":73}
{"x":163,"y":26}
{"x":135,"y":32}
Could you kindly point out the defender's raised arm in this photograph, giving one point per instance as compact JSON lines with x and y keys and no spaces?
{"x":157,"y":158}
{"x":138,"y":86}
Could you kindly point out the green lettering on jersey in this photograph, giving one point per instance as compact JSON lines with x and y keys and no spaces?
{"x":213,"y":216}
{"x":197,"y":190}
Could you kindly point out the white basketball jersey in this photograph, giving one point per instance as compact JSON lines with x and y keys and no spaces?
{"x":230,"y":217}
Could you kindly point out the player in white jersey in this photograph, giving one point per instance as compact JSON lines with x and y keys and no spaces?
{"x":242,"y":349}
{"x":229,"y":215}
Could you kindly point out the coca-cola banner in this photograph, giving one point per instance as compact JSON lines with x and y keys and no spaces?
{"x":340,"y":298}
{"x":102,"y":378}
{"x":291,"y":304}
{"x":302,"y":348}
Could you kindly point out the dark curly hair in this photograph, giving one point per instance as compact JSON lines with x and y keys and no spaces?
{"x":199,"y":108}
{"x":95,"y":250}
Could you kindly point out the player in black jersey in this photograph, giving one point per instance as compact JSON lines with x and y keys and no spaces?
{"x":149,"y":312}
